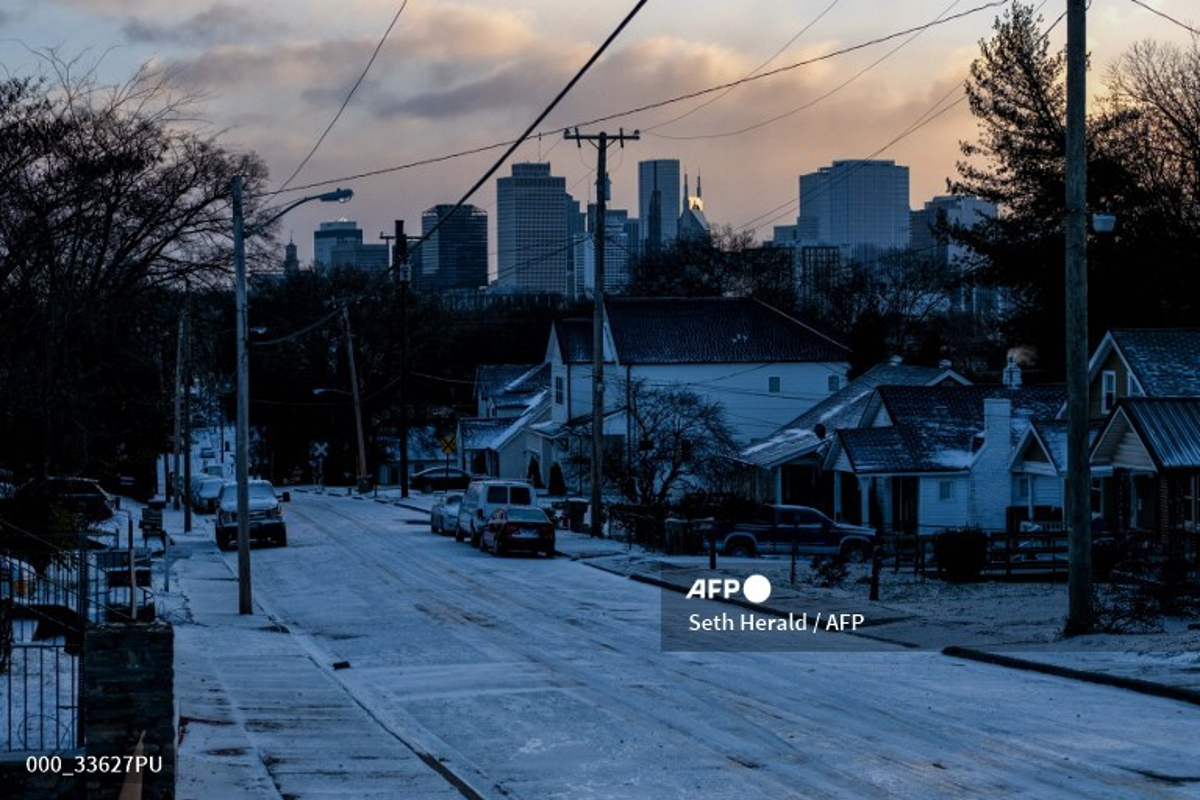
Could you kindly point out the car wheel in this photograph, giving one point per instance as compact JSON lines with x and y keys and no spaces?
{"x":549,"y":553}
{"x":741,"y":549}
{"x":458,"y":534}
{"x":498,"y":549}
{"x":281,"y":540}
{"x":224,"y":542}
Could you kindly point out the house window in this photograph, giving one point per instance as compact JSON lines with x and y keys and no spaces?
{"x":945,"y":490}
{"x":835,"y":383}
{"x":1108,"y":391}
{"x":1131,"y":387}
{"x":558,"y":391}
{"x":773,"y":384}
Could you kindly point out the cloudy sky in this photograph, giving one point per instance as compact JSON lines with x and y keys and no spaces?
{"x":454,"y":76}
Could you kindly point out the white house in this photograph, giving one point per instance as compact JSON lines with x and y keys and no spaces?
{"x":761,"y":365}
{"x":934,"y":457}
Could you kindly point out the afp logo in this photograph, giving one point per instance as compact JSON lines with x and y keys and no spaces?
{"x":756,"y":589}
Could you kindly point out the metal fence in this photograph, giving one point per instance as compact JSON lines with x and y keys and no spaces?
{"x":45,"y":614}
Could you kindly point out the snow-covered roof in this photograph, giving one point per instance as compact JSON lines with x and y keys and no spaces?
{"x":842,"y":409}
{"x":1168,"y":429}
{"x":1165,"y":361}
{"x":938,"y":428}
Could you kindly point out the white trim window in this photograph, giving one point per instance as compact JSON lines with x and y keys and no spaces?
{"x":1108,"y":390}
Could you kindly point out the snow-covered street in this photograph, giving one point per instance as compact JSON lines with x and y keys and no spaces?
{"x":388,"y":661}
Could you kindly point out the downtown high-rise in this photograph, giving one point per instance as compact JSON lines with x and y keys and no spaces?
{"x":533,"y":231}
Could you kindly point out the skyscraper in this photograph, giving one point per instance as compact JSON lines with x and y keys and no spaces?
{"x":532,"y":230}
{"x":340,"y":244}
{"x":858,"y":205}
{"x":659,"y":204}
{"x":455,"y":256}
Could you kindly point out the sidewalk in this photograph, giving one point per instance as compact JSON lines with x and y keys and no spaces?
{"x":259,"y":716}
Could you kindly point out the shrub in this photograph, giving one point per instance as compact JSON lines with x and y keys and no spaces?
{"x":961,"y":553}
{"x":828,"y":571}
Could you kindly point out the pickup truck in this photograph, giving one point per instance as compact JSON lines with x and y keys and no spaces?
{"x":783,"y":527}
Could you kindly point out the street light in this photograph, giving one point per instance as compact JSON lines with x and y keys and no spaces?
{"x":245,"y":606}
{"x":358,"y":430}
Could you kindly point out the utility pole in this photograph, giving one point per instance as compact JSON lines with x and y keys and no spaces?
{"x":242,"y":445}
{"x":363,"y":478}
{"x":174,"y":472}
{"x":1078,"y":500}
{"x":601,"y":141}
{"x":187,"y":416}
{"x":400,"y":266}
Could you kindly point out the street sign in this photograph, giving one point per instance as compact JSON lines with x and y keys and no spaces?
{"x":448,"y":444}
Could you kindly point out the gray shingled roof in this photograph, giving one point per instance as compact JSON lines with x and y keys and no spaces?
{"x":708,"y":330}
{"x":574,"y":337}
{"x":1169,"y":428}
{"x":934,"y":427}
{"x":842,"y":409}
{"x":1166,"y":361}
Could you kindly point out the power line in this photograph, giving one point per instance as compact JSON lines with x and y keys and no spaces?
{"x":669,"y":101}
{"x":754,"y":71}
{"x":816,"y":100}
{"x":1167,"y":17}
{"x":346,"y":101}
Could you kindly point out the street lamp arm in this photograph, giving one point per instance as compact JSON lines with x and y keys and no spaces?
{"x":336,"y":196}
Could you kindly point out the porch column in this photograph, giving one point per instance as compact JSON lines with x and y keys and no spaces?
{"x":777,"y":484}
{"x":865,"y":486}
{"x":837,"y":496}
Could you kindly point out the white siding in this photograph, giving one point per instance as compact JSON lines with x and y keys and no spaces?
{"x":752,"y":411}
{"x":935,"y":513}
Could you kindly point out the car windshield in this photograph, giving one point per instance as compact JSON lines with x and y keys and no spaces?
{"x":527,"y":515}
{"x":261,"y":491}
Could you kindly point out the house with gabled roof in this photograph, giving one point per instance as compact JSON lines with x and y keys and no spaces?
{"x":509,"y":397}
{"x":927,"y":458}
{"x":788,"y":464}
{"x":762,"y":365}
{"x":1141,"y":384}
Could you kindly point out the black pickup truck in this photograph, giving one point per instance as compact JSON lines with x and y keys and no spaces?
{"x":783,"y":527}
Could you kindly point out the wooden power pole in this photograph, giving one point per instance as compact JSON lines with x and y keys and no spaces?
{"x":602,"y":141}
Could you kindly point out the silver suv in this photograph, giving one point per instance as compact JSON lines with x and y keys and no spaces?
{"x":265,"y":517}
{"x":482,"y":498}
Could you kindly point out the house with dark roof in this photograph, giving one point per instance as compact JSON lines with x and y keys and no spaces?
{"x":762,"y":365}
{"x":927,"y":458}
{"x":1142,"y":384}
{"x":1151,"y":447}
{"x":509,"y":397}
{"x":787,"y":466}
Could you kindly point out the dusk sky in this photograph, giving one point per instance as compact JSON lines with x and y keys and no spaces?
{"x":459,"y":75}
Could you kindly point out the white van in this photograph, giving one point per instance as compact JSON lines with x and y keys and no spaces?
{"x":484,"y":496}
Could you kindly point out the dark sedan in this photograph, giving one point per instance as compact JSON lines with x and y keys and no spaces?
{"x":513,"y":529}
{"x":440,"y":479}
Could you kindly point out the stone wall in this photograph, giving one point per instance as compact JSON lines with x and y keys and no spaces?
{"x":129,"y":693}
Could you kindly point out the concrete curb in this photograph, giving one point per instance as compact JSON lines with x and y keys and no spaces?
{"x":1130,"y":684}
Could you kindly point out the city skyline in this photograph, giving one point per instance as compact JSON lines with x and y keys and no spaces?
{"x":453,"y":77}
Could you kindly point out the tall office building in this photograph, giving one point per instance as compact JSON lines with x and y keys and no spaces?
{"x":618,"y":250}
{"x":455,"y":256}
{"x":340,"y":244}
{"x":693,"y":225}
{"x":966,"y":212}
{"x":659,"y":203}
{"x":860,"y":206}
{"x":532,"y":230}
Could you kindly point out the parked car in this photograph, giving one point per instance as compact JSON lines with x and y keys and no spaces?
{"x":781,"y":528}
{"x":518,"y":528}
{"x":443,"y":516}
{"x":205,"y":491}
{"x":483,"y":496}
{"x":440,"y":479}
{"x":265,"y":518}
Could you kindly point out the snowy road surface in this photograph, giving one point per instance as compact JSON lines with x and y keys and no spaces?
{"x":541,"y":679}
